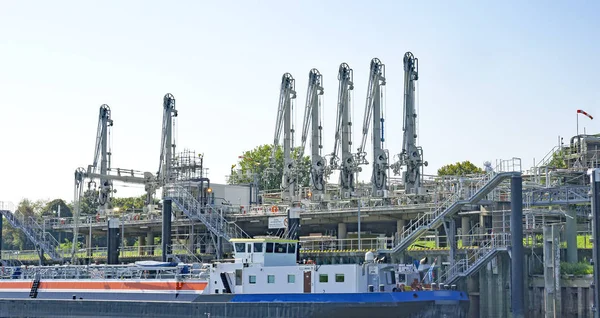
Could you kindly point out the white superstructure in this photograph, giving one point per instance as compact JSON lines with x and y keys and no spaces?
{"x":268,"y":265}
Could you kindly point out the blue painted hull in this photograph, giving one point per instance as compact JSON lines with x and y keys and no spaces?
{"x":425,"y":304}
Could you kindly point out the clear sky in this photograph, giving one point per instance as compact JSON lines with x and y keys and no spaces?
{"x":498,"y":79}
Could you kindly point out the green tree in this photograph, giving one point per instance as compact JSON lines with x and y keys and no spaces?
{"x":558,"y":160}
{"x":125,"y":204}
{"x":256,"y":162}
{"x":50,"y":209}
{"x":459,"y":169}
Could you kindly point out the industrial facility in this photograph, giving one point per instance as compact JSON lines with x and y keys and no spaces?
{"x":474,"y":230}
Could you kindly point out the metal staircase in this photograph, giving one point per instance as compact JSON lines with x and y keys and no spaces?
{"x":451,"y":206}
{"x":34,"y":286}
{"x":478,"y":258}
{"x":208,"y":215}
{"x":34,"y":232}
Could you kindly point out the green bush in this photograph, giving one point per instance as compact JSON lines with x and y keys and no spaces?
{"x":575,"y":269}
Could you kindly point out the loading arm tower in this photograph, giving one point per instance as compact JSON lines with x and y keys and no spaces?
{"x":411,"y":156}
{"x":312,"y":119}
{"x":284,"y":122}
{"x":167,"y":144}
{"x":374,"y":109}
{"x":343,"y":133}
{"x":102,"y":156}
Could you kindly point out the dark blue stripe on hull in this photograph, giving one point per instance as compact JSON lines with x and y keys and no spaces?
{"x":437,"y":296}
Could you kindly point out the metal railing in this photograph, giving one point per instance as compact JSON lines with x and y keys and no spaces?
{"x":207,"y":214}
{"x":116,"y":272}
{"x":35,"y":233}
{"x":473,"y":261}
{"x":342,"y":245}
{"x":474,"y":192}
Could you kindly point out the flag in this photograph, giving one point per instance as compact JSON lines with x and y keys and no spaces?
{"x":579,"y":111}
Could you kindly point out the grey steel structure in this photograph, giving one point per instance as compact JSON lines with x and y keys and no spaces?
{"x":411,"y":157}
{"x":312,"y":119}
{"x":343,"y":133}
{"x":374,"y":114}
{"x":284,"y":120}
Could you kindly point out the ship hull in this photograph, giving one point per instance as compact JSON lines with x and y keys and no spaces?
{"x":426,"y":304}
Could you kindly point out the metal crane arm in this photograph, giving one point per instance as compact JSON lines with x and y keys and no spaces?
{"x":286,"y":93}
{"x":104,"y":124}
{"x":315,"y":89}
{"x":167,"y":145}
{"x":376,"y":79}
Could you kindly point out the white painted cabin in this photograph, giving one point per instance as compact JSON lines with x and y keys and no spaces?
{"x":268,"y":266}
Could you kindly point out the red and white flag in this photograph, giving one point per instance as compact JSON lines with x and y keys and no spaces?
{"x":579,"y":111}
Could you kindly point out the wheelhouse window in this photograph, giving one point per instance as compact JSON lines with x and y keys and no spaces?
{"x":269,"y":247}
{"x":240,"y":247}
{"x":258,"y":247}
{"x":323,"y":278}
{"x":252,"y":279}
{"x":280,"y":247}
{"x":291,"y":248}
{"x":339,"y":278}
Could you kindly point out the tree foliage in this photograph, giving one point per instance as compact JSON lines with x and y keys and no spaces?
{"x":256,"y":163}
{"x":459,"y":169}
{"x":558,"y":160}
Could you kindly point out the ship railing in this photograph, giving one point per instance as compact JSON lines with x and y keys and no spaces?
{"x":116,"y":272}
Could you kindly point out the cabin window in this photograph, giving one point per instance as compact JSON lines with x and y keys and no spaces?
{"x":291,"y":278}
{"x":258,"y":247}
{"x":252,"y":279}
{"x":269,"y":247}
{"x":271,"y":279}
{"x":339,"y":278}
{"x":280,"y":248}
{"x":402,"y":278}
{"x":291,"y":248}
{"x":391,"y":277}
{"x":238,"y":277}
{"x":240,"y":247}
{"x":323,"y":278}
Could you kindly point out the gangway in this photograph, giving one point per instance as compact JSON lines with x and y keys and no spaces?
{"x":34,"y":232}
{"x":451,"y":206}
{"x":208,"y":215}
{"x":497,"y":243}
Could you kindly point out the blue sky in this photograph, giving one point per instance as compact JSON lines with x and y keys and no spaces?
{"x":497,"y":79}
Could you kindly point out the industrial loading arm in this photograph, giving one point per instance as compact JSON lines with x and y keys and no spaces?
{"x":374,"y":111}
{"x":343,"y":133}
{"x":102,"y":155}
{"x":284,"y":122}
{"x":412,"y":155}
{"x":167,"y":146}
{"x":312,"y":119}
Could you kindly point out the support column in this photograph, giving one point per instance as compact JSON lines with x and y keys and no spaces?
{"x":113,"y":241}
{"x":450,"y":229}
{"x":516,"y":229}
{"x":141,"y":244}
{"x":552,"y":290}
{"x":166,"y":229}
{"x":571,"y":234}
{"x":342,"y":233}
{"x":88,"y":245}
{"x":400,"y":226}
{"x":466,"y":228}
{"x":150,"y":243}
{"x":595,"y":185}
